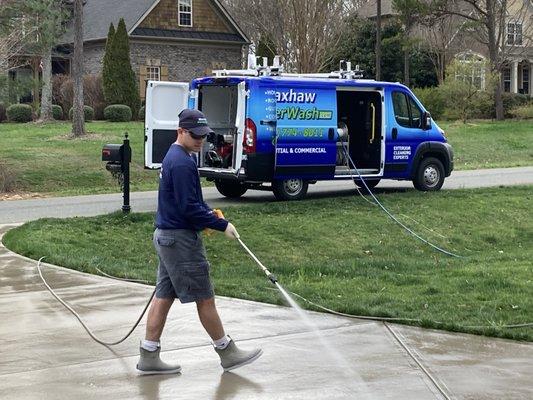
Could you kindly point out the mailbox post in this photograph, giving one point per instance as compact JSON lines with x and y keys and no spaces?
{"x":118,"y":157}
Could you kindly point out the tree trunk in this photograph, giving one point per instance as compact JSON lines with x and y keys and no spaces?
{"x":494,"y":58}
{"x":498,"y":100}
{"x":406,"y":78}
{"x":78,"y":118}
{"x":378,"y":41}
{"x":46,"y":96}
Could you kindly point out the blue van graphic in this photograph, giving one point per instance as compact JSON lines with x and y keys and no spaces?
{"x":282,"y":132}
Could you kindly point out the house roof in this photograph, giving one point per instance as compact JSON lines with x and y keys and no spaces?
{"x":199,"y":35}
{"x":99,"y":14}
{"x":369,"y":9}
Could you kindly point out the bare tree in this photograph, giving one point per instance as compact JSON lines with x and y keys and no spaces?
{"x":410,"y":12}
{"x":442,"y":33}
{"x":78,"y":118}
{"x":378,"y":40}
{"x":489,"y":18}
{"x":301,"y":31}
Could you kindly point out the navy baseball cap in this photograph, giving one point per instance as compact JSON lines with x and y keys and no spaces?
{"x":195,"y":122}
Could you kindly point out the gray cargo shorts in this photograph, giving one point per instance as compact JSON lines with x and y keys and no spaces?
{"x":183,"y":270}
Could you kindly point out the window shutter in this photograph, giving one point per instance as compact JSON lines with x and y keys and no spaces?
{"x":143,"y":75}
{"x":164,"y":73}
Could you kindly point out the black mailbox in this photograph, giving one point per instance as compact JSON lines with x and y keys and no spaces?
{"x":118,"y":159}
{"x":115,"y":153}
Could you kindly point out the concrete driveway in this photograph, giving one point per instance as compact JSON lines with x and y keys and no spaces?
{"x":45,"y":353}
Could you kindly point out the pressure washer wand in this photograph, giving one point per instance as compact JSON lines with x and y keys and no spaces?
{"x":269,"y":274}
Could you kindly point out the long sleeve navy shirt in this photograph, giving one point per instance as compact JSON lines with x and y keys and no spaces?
{"x":180,"y":201}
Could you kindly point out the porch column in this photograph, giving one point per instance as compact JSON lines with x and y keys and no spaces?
{"x":514,"y":77}
{"x":531,"y":78}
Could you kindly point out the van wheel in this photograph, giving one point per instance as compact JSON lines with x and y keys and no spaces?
{"x":231,"y":189}
{"x":290,"y":189}
{"x":429,"y":175}
{"x":371,"y":183}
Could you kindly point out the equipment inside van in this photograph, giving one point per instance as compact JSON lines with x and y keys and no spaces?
{"x":281,"y":132}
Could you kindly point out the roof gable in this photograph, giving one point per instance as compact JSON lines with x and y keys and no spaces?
{"x":99,"y":14}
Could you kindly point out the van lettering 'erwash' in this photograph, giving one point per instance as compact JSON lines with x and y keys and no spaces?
{"x":280,"y":132}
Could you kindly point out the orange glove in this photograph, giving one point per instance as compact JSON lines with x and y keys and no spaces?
{"x":218,"y":214}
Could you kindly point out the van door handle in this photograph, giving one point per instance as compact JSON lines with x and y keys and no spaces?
{"x":271,"y":122}
{"x":394,"y":133}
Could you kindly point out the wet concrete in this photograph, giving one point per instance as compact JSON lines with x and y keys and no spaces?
{"x":46,"y":354}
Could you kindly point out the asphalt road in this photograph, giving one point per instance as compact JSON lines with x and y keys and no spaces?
{"x":62,"y":207}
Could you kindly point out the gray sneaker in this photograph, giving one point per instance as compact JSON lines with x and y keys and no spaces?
{"x":151,"y":364}
{"x":232,"y":357}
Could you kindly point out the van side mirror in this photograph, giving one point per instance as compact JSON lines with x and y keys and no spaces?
{"x":426,"y":121}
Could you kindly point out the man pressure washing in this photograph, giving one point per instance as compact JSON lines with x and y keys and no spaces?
{"x":183,"y":271}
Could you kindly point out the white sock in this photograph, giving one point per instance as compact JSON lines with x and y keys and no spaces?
{"x":222,"y":343}
{"x":149,"y":345}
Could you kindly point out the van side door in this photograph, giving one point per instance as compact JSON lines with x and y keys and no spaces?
{"x":305,"y":140}
{"x":404,"y":134}
{"x":164,"y":102}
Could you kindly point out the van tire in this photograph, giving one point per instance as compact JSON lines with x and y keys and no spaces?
{"x":371,"y":183}
{"x":290,"y":189}
{"x":231,"y":189}
{"x":429,"y":175}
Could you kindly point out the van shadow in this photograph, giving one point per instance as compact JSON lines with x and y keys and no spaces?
{"x":268,"y":197}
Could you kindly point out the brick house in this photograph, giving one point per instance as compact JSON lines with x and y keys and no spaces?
{"x":173,"y":40}
{"x":517,"y":74}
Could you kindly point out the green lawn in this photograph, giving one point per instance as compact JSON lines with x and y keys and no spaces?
{"x":485,"y":144}
{"x":342,"y":253}
{"x":46,"y":161}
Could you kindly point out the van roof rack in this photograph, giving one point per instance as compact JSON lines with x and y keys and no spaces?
{"x":276,"y":69}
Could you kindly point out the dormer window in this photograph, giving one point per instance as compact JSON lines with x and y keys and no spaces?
{"x":185,"y":12}
{"x":514,"y":33}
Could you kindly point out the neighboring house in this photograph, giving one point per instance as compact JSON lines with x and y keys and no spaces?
{"x":517,"y":75}
{"x":173,"y":40}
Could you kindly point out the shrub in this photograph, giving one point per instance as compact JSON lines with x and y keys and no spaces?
{"x":19,"y":113}
{"x":93,"y":96}
{"x":142,"y":113}
{"x":57,"y":111}
{"x":3,"y":115}
{"x":512,"y":101}
{"x":88,"y":111}
{"x":117,"y":113}
{"x":523,"y":112}
{"x":433,"y":100}
{"x":8,"y":178}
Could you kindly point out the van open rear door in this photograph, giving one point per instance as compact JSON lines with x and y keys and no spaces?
{"x":306,"y":131}
{"x":164,"y":102}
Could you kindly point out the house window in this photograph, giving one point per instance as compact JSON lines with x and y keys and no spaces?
{"x":507,"y":80}
{"x":525,"y":80}
{"x":185,"y":12}
{"x":514,"y":33}
{"x":153,"y":73}
{"x":472,"y":69}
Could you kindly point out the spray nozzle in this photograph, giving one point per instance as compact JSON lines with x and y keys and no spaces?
{"x":272,"y":278}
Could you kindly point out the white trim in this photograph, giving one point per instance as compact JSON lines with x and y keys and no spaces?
{"x":143,"y":17}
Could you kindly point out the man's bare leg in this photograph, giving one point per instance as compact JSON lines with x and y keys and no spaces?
{"x":210,"y":319}
{"x":157,"y":316}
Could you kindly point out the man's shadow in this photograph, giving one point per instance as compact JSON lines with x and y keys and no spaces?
{"x":230,"y":384}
